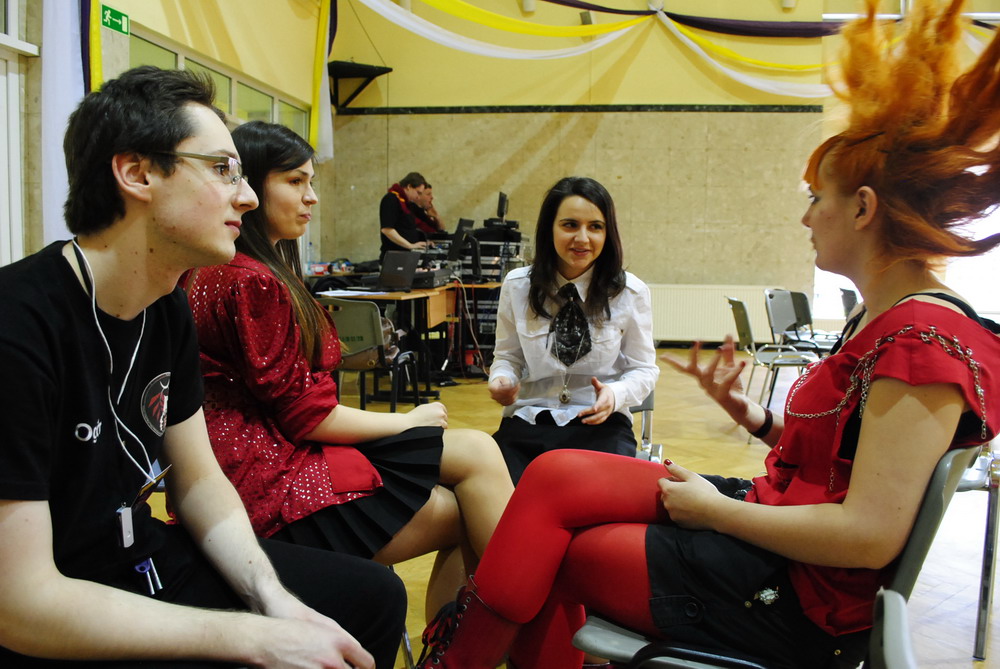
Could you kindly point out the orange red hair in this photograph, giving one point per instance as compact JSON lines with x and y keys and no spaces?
{"x":920,"y":133}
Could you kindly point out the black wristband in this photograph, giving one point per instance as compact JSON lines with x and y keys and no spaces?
{"x":765,"y":427}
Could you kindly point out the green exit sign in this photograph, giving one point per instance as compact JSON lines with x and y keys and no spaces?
{"x":112,"y":18}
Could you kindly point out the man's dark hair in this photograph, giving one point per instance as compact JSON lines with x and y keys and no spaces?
{"x":413,"y":180}
{"x":142,"y":111}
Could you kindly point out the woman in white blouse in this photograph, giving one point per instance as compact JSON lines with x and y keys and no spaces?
{"x":567,"y":376}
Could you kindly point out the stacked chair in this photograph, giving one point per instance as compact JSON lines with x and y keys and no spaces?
{"x":772,"y":357}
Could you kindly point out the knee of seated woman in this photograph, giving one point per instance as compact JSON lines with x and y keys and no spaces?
{"x":473,"y":439}
{"x":557,"y":466}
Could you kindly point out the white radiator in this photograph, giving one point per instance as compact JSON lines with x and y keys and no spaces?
{"x":688,"y":312}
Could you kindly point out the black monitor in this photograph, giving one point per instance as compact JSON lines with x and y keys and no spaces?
{"x":458,"y":239}
{"x":501,"y":218}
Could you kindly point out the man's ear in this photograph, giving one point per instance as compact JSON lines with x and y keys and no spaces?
{"x":131,"y":171}
{"x":866,"y":201}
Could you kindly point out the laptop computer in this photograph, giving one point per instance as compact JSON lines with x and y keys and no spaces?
{"x":398,"y":270}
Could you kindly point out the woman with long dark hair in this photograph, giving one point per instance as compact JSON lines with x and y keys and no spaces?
{"x":786,"y":567}
{"x":310,"y":470}
{"x":574,"y":341}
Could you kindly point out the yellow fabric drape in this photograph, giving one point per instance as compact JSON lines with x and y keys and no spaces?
{"x":464,"y":10}
{"x":732,"y":55}
{"x":96,"y":50}
{"x":320,"y":56}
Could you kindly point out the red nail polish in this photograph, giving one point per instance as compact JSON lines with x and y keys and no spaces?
{"x":667,"y":462}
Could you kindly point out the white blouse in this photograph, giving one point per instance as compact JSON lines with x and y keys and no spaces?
{"x":622,"y":353}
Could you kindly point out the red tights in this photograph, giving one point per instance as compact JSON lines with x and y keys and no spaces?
{"x":573,"y":536}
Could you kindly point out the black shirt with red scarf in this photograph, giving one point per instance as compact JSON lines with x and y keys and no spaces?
{"x":396,"y":212}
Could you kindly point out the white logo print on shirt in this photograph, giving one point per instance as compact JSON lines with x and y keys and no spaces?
{"x":86,"y":433}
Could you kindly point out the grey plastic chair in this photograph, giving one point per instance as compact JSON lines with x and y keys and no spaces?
{"x":790,"y":320}
{"x":849,"y":299}
{"x":647,"y":450}
{"x":780,"y":313}
{"x":891,"y":646}
{"x":985,"y":475}
{"x":772,"y":357}
{"x":605,"y":639}
{"x":804,"y":323}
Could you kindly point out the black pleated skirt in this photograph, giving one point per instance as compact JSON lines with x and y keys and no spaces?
{"x":410,"y":466}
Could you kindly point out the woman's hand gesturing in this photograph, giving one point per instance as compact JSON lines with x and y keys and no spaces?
{"x":604,"y":404}
{"x":720,"y":378}
{"x":503,"y":390}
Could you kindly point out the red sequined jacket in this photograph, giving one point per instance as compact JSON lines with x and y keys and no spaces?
{"x":262,"y":396}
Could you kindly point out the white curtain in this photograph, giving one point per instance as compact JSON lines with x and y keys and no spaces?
{"x":62,"y":90}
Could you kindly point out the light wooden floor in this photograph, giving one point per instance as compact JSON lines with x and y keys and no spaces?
{"x":697,"y":435}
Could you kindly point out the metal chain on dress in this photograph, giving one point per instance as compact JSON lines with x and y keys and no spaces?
{"x":954,"y":348}
{"x":862,"y":375}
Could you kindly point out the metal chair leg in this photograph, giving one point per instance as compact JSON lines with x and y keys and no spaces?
{"x":407,"y":375}
{"x":393,"y":387}
{"x":753,"y":369}
{"x":989,"y":563}
{"x":407,"y":650}
{"x":774,"y":382}
{"x":414,"y":381}
{"x":404,"y":644}
{"x":361,"y":388}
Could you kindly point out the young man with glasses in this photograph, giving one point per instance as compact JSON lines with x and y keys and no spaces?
{"x":101,"y":381}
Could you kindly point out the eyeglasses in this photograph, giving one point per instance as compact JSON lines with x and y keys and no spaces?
{"x":230,"y":169}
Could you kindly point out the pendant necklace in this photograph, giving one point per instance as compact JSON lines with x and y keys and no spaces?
{"x":565,"y":395}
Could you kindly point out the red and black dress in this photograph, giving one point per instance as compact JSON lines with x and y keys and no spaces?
{"x":262,"y":396}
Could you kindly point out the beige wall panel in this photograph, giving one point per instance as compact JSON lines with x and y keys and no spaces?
{"x":702,"y":197}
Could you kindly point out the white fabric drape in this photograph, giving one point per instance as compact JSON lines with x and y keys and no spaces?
{"x":322,"y":105}
{"x":786,"y":88}
{"x":404,"y":19}
{"x":62,"y":90}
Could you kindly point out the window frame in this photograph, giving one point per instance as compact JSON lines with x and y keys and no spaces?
{"x":184,"y":53}
{"x":12,"y":51}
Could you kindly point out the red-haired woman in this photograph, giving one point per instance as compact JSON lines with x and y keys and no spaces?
{"x":786,"y":567}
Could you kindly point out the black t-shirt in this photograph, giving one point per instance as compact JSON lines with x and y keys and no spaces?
{"x":391,"y":215}
{"x":60,"y":441}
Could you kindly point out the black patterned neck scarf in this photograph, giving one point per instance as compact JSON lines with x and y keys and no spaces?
{"x":572,"y":340}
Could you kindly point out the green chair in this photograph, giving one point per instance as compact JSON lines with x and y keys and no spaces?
{"x":365,"y":349}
